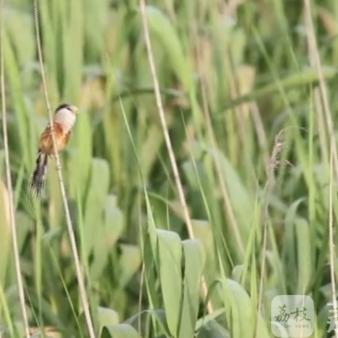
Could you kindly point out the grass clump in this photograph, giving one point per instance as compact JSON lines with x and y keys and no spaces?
{"x":247,"y":94}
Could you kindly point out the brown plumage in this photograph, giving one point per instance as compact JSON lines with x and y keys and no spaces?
{"x":63,"y":122}
{"x":46,"y":140}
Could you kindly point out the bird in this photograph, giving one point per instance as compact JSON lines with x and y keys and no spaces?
{"x":63,"y":122}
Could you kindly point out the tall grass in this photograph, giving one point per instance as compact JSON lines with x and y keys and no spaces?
{"x":8,"y":201}
{"x":245,"y":200}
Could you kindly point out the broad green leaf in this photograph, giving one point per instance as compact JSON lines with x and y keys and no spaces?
{"x":240,"y":197}
{"x":107,"y":317}
{"x":194,"y":259}
{"x":150,"y":148}
{"x":113,"y":220}
{"x":93,"y":211}
{"x":130,"y":261}
{"x":107,"y":235}
{"x":80,"y":156}
{"x":304,"y":261}
{"x":170,"y":255}
{"x":240,"y":311}
{"x":203,"y":232}
{"x":289,"y":254}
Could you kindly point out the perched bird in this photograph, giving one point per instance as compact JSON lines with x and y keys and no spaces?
{"x":63,"y":122}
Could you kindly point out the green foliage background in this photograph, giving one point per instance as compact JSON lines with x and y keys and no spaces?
{"x":234,"y":75}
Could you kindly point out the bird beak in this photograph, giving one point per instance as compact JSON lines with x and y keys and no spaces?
{"x":74,"y":109}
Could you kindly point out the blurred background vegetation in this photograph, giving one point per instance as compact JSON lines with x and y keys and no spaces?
{"x":245,"y":117}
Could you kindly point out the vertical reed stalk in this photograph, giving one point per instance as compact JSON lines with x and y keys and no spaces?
{"x":19,"y":278}
{"x":331,"y":141}
{"x":165,"y":131}
{"x":79,"y":274}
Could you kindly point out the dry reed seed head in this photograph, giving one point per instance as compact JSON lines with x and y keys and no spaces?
{"x":276,"y":151}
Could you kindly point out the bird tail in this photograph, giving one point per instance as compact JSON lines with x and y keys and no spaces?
{"x":39,"y":173}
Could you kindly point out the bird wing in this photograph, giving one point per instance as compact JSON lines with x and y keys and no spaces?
{"x":46,"y":140}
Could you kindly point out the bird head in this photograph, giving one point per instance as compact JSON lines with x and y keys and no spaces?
{"x":73,"y":109}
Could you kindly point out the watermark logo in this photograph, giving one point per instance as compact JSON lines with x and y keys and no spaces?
{"x":292,"y":316}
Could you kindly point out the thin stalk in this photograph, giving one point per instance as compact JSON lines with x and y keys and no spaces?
{"x":227,"y":207}
{"x":164,"y":122}
{"x":165,"y":131}
{"x":273,"y":164}
{"x":19,"y":278}
{"x":316,"y":62}
{"x":79,"y":274}
{"x":333,"y":162}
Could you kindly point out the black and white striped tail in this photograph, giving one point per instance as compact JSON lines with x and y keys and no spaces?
{"x":39,"y":173}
